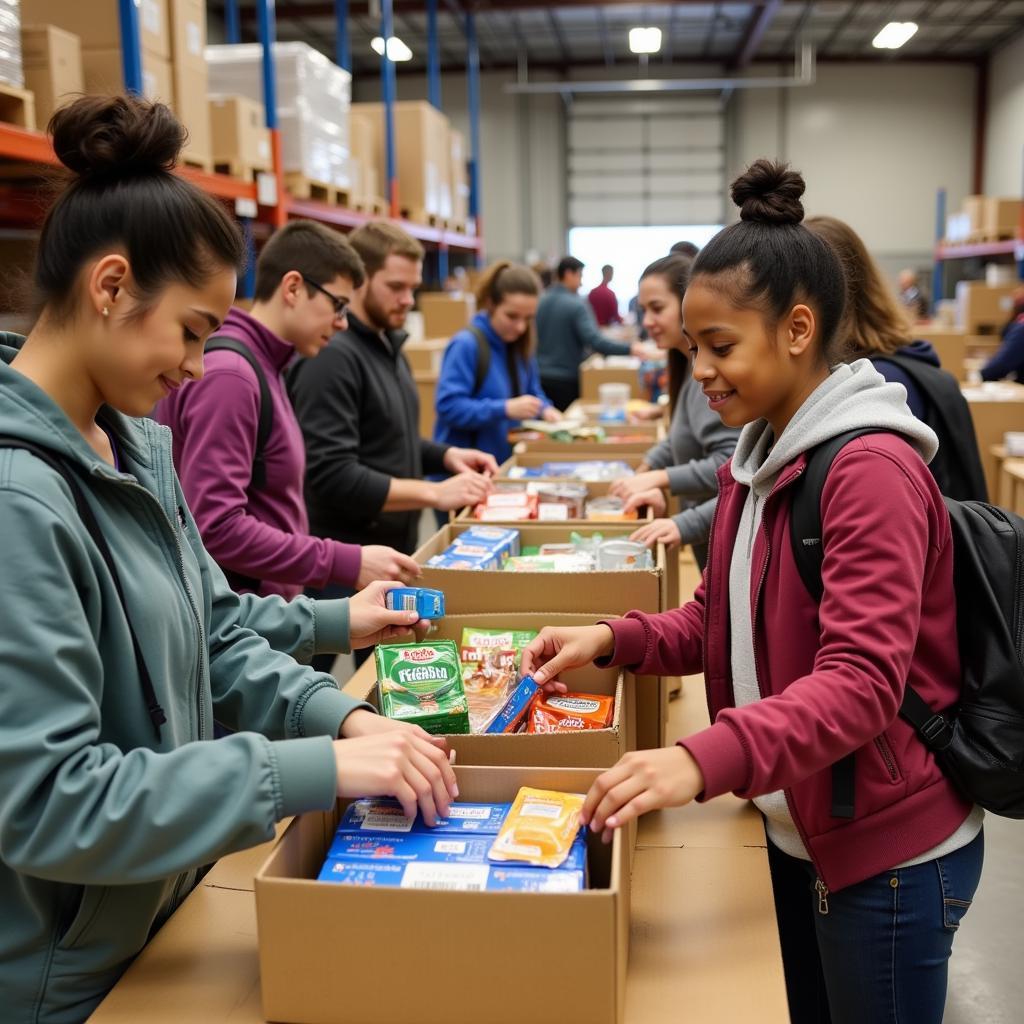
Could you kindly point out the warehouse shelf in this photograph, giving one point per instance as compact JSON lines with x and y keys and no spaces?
{"x":972,"y":250}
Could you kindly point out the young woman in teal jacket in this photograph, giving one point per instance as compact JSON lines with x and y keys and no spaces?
{"x":116,"y":662}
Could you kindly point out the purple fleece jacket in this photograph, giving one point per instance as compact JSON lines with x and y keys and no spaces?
{"x":263,"y":534}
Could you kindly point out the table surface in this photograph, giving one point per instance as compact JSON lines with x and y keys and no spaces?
{"x":702,"y":930}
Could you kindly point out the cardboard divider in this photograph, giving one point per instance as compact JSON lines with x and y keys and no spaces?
{"x":442,"y":957}
{"x":591,"y":748}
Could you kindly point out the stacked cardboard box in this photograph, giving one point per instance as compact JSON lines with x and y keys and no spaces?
{"x":190,"y":78}
{"x":460,"y":180}
{"x":982,"y":308}
{"x":241,"y":140}
{"x":313,"y":97}
{"x":98,"y":27}
{"x":984,"y":218}
{"x":52,"y":59}
{"x":445,"y":315}
{"x":422,"y":159}
{"x":367,"y":182}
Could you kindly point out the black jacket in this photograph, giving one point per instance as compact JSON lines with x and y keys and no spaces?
{"x":359,"y":412}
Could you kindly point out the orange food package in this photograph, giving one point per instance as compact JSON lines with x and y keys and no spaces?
{"x":569,"y":712}
{"x":540,"y":828}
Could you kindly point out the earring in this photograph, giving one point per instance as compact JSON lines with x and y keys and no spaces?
{"x":106,"y":311}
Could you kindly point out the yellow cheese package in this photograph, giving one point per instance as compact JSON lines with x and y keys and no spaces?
{"x":541,"y":828}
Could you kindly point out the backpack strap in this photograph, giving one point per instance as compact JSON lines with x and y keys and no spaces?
{"x":221,"y":343}
{"x":808,"y":547}
{"x":483,"y":357}
{"x":88,"y":517}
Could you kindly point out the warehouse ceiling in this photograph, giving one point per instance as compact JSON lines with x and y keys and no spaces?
{"x":553,"y":36}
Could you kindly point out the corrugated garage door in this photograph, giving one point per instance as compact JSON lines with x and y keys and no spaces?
{"x":646,"y":161}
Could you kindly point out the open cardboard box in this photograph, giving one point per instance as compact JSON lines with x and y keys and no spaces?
{"x":604,"y":591}
{"x":334,"y":954}
{"x":594,"y":594}
{"x":591,"y":748}
{"x":532,"y":460}
{"x":594,"y":372}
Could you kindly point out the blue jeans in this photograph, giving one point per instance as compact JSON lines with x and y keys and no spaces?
{"x":323,"y":662}
{"x":880,"y":955}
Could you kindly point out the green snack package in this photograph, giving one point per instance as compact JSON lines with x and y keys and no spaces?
{"x":497,"y":639}
{"x":422,"y":684}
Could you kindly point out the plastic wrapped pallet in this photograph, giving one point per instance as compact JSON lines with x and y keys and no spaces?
{"x":313,"y":99}
{"x":10,"y":43}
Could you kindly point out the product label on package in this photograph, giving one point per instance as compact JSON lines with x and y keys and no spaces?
{"x":422,"y":683}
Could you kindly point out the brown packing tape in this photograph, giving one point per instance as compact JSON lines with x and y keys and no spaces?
{"x":306,"y":927}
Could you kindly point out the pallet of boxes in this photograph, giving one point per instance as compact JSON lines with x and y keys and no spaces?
{"x":511,"y":849}
{"x":984,"y":219}
{"x":172,"y":37}
{"x":313,"y":96}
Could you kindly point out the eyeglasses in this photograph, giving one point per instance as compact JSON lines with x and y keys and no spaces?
{"x":340,"y":304}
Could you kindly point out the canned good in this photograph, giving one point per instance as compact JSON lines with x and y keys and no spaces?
{"x":623,"y":554}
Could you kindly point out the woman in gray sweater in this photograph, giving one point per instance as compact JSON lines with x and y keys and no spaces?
{"x":685,"y":463}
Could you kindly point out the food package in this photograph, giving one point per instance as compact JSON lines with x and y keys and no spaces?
{"x":488,"y":676}
{"x":512,"y":715}
{"x":422,"y":684}
{"x":550,"y":563}
{"x":541,"y":828}
{"x":385,"y":815}
{"x":560,"y":501}
{"x":426,"y":602}
{"x":569,"y":712}
{"x":610,"y":509}
{"x":455,"y":877}
{"x":502,"y":639}
{"x":504,"y":541}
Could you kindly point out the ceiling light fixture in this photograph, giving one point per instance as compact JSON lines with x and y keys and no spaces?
{"x":645,"y":40}
{"x":894,"y":35}
{"x":397,"y":50}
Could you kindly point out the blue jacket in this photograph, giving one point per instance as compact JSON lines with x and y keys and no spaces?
{"x":1009,"y":360}
{"x":894,"y":373}
{"x":567,"y":333}
{"x":471,"y":419}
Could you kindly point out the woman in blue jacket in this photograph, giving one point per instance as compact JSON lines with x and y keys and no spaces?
{"x":489,"y":377}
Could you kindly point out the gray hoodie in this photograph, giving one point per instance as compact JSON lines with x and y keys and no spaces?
{"x":853,"y":397}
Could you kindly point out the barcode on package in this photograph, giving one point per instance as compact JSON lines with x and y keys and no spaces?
{"x":376,"y":821}
{"x":458,"y":877}
{"x":407,"y":603}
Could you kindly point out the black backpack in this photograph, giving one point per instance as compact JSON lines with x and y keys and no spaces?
{"x":483,"y":363}
{"x":957,"y":465}
{"x":978,"y":743}
{"x":61,"y":466}
{"x":220,"y":343}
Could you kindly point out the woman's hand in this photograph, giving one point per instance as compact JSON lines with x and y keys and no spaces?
{"x":394,"y":759}
{"x":654,"y":499}
{"x":551,"y":414}
{"x":645,"y":780}
{"x":627,"y":486}
{"x":523,"y":407}
{"x":664,"y":531}
{"x":557,"y":649}
{"x":371,"y":622}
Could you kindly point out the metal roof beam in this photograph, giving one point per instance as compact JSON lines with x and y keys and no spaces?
{"x":756,"y":28}
{"x":606,"y":43}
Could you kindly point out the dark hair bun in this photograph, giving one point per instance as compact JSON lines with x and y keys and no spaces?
{"x":769,"y":193}
{"x":122,"y":135}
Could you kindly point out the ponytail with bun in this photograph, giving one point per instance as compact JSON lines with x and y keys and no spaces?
{"x":769,"y":260}
{"x":122,"y":194}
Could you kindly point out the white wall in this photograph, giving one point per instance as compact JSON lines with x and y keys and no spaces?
{"x":874,"y":144}
{"x":1004,"y":131}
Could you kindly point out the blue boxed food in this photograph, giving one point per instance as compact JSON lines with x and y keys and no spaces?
{"x":426,"y":602}
{"x":501,"y":539}
{"x":381,"y":814}
{"x":513,"y":714}
{"x":455,"y":877}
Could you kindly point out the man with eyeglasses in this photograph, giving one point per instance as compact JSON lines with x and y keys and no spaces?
{"x":359,"y":411}
{"x":246,"y":492}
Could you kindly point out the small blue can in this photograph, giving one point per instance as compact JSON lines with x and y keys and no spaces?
{"x":427,"y":603}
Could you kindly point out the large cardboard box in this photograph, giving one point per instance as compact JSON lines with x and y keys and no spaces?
{"x":442,"y":957}
{"x":425,"y":356}
{"x":460,"y":177}
{"x":426,"y":390}
{"x":422,"y":155}
{"x":595,"y":370}
{"x":596,"y":748}
{"x":1002,"y":216}
{"x":444,"y":315}
{"x":996,"y":408}
{"x":241,"y":141}
{"x":982,"y":308}
{"x":103,"y":73}
{"x":535,"y":459}
{"x":951,"y":346}
{"x":191,"y":76}
{"x":98,"y":24}
{"x":974,"y":210}
{"x":52,"y":61}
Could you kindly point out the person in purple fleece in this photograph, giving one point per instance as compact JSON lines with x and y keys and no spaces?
{"x":260,"y":536}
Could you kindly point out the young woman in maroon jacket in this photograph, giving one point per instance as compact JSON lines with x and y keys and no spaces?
{"x":867,"y":904}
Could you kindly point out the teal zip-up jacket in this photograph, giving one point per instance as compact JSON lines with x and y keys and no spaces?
{"x":102,"y":825}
